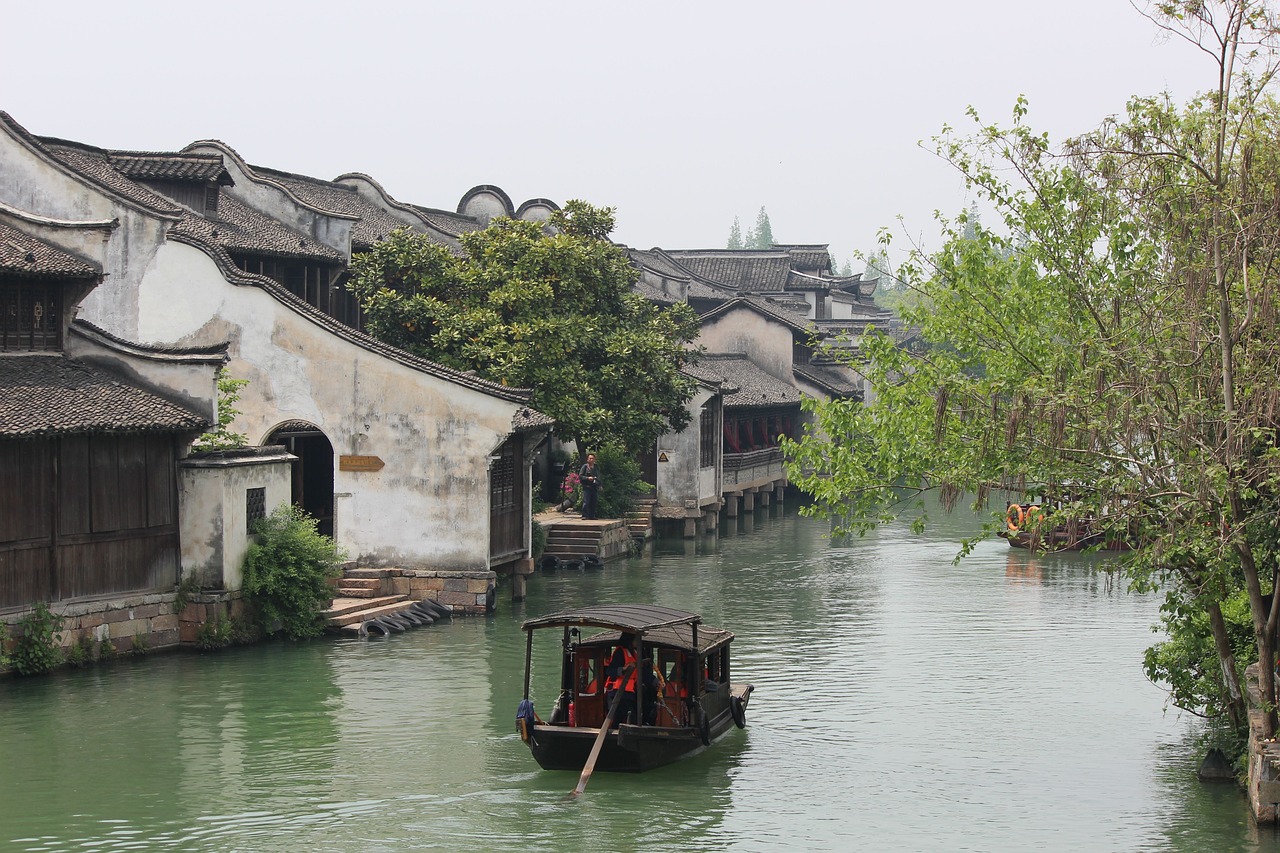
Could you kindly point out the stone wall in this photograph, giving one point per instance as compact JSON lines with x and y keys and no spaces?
{"x":1264,"y":759}
{"x":151,"y":617}
{"x":462,"y":591}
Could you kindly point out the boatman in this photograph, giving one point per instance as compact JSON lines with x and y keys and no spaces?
{"x":624,"y":655}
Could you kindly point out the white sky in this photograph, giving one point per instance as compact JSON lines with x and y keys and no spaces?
{"x":680,"y":115}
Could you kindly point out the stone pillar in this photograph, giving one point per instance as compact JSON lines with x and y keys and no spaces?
{"x":731,"y":505}
{"x":711,"y":520}
{"x":764,"y":497}
{"x":748,"y":501}
{"x":520,"y":578}
{"x":690,"y":528}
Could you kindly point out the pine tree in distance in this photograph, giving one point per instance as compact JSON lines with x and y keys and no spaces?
{"x":735,"y":235}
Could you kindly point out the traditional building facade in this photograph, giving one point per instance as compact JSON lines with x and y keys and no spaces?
{"x":407,"y":463}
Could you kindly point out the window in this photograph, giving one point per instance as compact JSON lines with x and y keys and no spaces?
{"x":30,"y":317}
{"x":255,"y":506}
{"x":707,"y":437}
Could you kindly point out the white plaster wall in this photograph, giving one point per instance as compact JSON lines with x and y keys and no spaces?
{"x":190,"y":382}
{"x":212,"y":518}
{"x":485,"y":206}
{"x":30,"y":183}
{"x":767,"y":342}
{"x":680,"y":478}
{"x":429,"y":505}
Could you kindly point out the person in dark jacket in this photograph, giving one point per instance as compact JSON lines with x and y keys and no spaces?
{"x":589,"y":476}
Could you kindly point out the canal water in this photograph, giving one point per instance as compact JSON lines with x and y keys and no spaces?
{"x":902,"y":702}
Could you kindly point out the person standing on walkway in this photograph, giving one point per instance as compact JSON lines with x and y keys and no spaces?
{"x":589,"y":476}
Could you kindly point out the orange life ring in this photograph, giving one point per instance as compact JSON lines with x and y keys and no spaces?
{"x":1032,"y":515}
{"x":1014,"y":517}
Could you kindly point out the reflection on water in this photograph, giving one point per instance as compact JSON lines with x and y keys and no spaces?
{"x":903,"y":702}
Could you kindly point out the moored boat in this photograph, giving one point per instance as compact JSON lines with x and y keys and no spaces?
{"x":1024,"y":529}
{"x":684,"y":694}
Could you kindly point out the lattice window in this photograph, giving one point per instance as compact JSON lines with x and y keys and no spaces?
{"x":30,"y":317}
{"x":255,"y":506}
{"x":504,"y":482}
{"x":707,"y":437}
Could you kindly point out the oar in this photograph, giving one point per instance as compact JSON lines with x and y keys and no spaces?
{"x":604,"y":730}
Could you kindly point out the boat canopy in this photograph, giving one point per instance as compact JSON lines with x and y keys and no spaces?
{"x":661,"y":626}
{"x":636,"y":618}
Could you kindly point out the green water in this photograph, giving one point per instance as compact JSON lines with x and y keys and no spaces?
{"x":902,"y":703}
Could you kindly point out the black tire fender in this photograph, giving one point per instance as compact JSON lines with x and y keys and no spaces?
{"x":703,"y":724}
{"x":739,"y":711}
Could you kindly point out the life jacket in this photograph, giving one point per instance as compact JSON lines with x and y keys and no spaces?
{"x":628,"y":660}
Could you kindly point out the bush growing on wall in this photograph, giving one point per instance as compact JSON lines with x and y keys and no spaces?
{"x":35,"y":651}
{"x":285,"y":572}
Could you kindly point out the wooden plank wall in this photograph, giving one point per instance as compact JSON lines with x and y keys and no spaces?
{"x":86,"y":516}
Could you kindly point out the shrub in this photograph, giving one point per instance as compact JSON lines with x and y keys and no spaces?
{"x":285,"y":572}
{"x":539,"y":540}
{"x":620,"y":482}
{"x":215,"y":634}
{"x":81,"y":653}
{"x":35,"y":651}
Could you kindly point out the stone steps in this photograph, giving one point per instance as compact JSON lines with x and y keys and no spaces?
{"x":344,"y":611}
{"x":359,"y":587}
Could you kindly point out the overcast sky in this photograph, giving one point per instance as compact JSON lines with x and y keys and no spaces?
{"x":680,"y":115}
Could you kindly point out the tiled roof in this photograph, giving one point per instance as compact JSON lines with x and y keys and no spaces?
{"x":873,"y":316}
{"x":662,"y":264}
{"x":753,"y":387}
{"x":53,"y":395}
{"x":832,"y":378}
{"x":531,"y":420}
{"x":809,"y":257}
{"x":154,"y":166}
{"x":25,"y":256}
{"x":95,"y":164}
{"x":709,"y":377}
{"x":855,"y":285}
{"x":240,"y":228}
{"x":742,"y":270}
{"x":456,"y":224}
{"x":657,"y":261}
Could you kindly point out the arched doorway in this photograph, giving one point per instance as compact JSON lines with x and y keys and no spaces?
{"x":312,"y":473}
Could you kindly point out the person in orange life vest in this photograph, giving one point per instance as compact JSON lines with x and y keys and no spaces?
{"x":624,"y":655}
{"x":675,"y":693}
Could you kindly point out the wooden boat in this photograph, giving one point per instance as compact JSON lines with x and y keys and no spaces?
{"x":688,"y":703}
{"x":1023,"y":531}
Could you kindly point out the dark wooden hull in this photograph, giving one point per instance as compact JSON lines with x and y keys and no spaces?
{"x":1061,"y":540}
{"x":627,"y":748}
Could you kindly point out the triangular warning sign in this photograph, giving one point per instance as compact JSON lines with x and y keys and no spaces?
{"x":662,"y":456}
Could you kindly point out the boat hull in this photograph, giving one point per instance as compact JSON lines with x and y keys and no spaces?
{"x":630,"y":748}
{"x":626,"y":749}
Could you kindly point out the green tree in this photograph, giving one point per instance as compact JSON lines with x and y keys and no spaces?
{"x":735,"y":235}
{"x":1114,"y":345}
{"x":550,"y":309}
{"x":761,"y":234}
